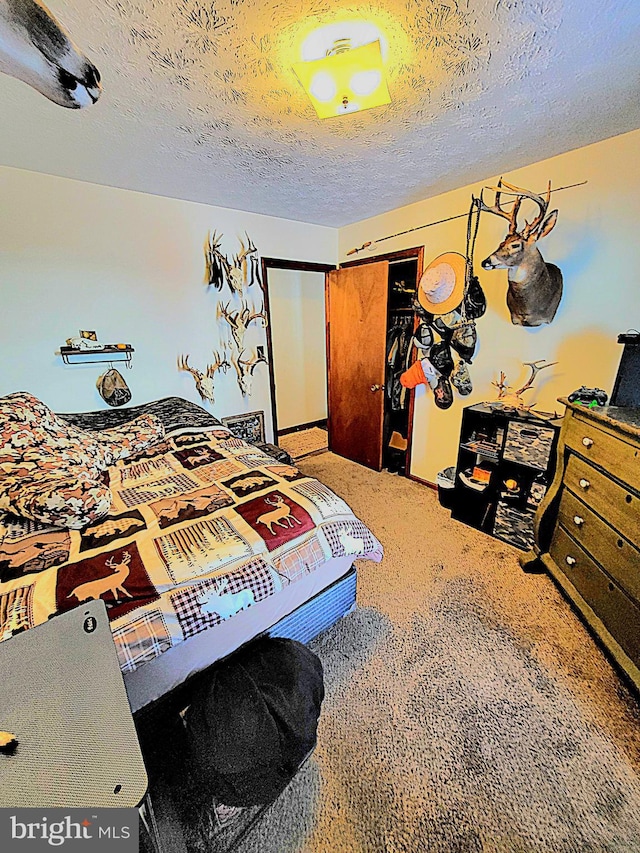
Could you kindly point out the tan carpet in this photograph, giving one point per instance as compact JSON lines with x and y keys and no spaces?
{"x":467,"y":708}
{"x":304,"y":443}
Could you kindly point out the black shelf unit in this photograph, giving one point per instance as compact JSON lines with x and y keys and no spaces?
{"x":106,"y":353}
{"x":506,"y":460}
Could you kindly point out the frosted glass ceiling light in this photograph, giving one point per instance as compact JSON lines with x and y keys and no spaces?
{"x":346,"y":80}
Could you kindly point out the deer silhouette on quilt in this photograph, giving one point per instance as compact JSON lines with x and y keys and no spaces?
{"x":113,"y":583}
{"x":225,"y":604}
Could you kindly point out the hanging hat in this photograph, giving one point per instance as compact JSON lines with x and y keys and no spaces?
{"x":442,"y":393}
{"x":464,"y":340}
{"x":113,"y":389}
{"x":413,"y":376}
{"x":423,"y":336}
{"x":461,"y":379}
{"x":475,"y":302}
{"x":441,"y":358}
{"x":441,"y":287}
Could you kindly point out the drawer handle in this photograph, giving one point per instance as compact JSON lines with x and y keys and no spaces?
{"x":584,"y":484}
{"x":570,"y":561}
{"x":577,"y":520}
{"x":587,"y":441}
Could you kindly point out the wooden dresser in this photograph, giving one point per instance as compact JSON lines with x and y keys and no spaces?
{"x":587,"y":529}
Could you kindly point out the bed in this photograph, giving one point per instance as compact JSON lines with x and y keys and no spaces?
{"x":208,"y":542}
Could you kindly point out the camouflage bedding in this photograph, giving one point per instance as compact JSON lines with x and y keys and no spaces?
{"x":202,"y":525}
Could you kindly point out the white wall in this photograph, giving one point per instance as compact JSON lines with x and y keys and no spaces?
{"x":595,"y":243}
{"x":76,"y":256}
{"x":296,"y":301}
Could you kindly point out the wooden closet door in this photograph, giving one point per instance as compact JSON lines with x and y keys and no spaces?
{"x":357,"y":333}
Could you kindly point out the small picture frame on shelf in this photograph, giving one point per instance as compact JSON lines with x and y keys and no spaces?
{"x":249,"y":426}
{"x":88,"y":335}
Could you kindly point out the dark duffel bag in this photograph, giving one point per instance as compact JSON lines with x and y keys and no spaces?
{"x":254,"y":721}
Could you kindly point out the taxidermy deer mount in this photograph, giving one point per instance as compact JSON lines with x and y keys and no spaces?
{"x":535,"y":287}
{"x":508,"y":397}
{"x":35,"y":48}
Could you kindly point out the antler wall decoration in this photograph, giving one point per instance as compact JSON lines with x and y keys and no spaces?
{"x":204,"y":381}
{"x":239,"y":274}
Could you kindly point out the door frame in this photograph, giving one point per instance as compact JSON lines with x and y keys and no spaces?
{"x":401,"y":255}
{"x":283,"y":264}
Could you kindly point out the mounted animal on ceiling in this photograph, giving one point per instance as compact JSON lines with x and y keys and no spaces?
{"x":535,"y":287}
{"x":35,"y":48}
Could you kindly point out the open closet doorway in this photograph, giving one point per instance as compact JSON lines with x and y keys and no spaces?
{"x":371,"y":321}
{"x":296,"y":338}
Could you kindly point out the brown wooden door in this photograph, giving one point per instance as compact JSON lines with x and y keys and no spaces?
{"x":357,"y":331}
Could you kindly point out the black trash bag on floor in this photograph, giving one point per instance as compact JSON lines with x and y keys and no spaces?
{"x":250,"y":727}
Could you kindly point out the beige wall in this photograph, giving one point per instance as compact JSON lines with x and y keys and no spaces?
{"x":595,"y":243}
{"x":76,"y":256}
{"x":296,"y":302}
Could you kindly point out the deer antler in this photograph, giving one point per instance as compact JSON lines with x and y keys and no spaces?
{"x":220,"y":363}
{"x":217,"y":263}
{"x":536,"y":367}
{"x":510,"y":216}
{"x":183,"y":364}
{"x":501,"y":384}
{"x":543,"y":204}
{"x":251,"y":362}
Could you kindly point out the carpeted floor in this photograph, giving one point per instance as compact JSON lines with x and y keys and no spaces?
{"x":467,"y":709}
{"x":304,"y":443}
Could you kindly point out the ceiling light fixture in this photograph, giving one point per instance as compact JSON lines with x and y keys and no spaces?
{"x":346,"y":80}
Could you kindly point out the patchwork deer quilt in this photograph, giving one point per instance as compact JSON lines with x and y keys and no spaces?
{"x":202,"y":526}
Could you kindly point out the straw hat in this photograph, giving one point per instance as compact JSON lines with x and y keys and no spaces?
{"x":441,"y":287}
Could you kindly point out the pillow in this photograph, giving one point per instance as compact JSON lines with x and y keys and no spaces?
{"x":62,"y":500}
{"x":128,"y":439}
{"x":51,"y":471}
{"x":31,"y":434}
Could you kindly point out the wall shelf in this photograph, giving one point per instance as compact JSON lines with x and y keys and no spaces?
{"x":107,"y":353}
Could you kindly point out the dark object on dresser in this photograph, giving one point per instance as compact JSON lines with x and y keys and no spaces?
{"x":255,"y":720}
{"x":588,"y":395}
{"x":626,"y":390}
{"x":587,"y":528}
{"x":505,"y":462}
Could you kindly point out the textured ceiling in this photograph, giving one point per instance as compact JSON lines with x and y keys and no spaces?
{"x":200,"y":101}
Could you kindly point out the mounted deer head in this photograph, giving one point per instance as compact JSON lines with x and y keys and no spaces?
{"x":204,"y":381}
{"x":36,"y":49}
{"x":244,"y":369}
{"x":535,"y":287}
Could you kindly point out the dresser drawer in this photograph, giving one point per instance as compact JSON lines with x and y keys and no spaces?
{"x":613,"y":454}
{"x":618,"y":613}
{"x":618,"y":505}
{"x":613,"y":552}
